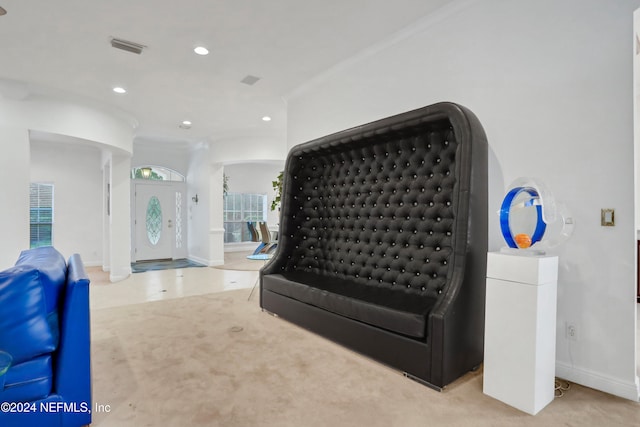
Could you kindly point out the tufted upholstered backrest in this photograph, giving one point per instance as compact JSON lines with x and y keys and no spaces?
{"x":380,"y":205}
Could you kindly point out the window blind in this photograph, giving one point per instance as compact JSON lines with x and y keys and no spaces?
{"x":41,"y":215}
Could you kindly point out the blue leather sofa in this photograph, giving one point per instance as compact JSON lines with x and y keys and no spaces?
{"x":45,"y":327}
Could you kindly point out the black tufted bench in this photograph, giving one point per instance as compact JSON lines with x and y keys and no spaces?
{"x":383,"y":241}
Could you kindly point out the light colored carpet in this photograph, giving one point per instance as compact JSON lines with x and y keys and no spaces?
{"x":183,"y":362}
{"x":239,"y":261}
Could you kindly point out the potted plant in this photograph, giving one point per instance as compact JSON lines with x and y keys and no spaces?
{"x":277,"y":186}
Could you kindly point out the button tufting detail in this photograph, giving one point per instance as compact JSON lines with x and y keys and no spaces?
{"x":375,"y":211}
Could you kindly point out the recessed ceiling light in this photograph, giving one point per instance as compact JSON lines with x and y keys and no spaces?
{"x":186,"y":124}
{"x":119,"y":89}
{"x":266,"y":118}
{"x":201,"y":50}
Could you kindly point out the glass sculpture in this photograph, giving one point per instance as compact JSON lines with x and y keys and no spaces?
{"x":531,"y":220}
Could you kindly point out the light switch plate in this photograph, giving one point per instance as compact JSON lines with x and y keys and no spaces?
{"x":607,"y":217}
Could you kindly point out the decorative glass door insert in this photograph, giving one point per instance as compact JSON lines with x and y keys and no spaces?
{"x":154,"y":220}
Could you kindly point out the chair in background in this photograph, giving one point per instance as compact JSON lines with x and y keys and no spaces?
{"x":270,"y":246}
{"x":253,"y":231}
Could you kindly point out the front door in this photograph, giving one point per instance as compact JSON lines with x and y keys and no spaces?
{"x":155,"y":207}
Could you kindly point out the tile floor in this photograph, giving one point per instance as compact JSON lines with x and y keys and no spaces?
{"x":165,"y":284}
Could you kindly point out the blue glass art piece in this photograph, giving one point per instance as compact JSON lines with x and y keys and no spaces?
{"x":531,"y":220}
{"x":522,"y":198}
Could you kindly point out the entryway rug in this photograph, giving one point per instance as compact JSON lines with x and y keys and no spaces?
{"x":141,"y":266}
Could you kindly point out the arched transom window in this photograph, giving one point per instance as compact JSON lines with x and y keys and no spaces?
{"x":156,"y":173}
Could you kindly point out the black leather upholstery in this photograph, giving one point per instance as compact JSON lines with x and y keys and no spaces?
{"x":379,"y":213}
{"x":376,"y":225}
{"x":374,"y":305}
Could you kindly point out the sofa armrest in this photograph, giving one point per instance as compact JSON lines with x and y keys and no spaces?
{"x":73,"y":368}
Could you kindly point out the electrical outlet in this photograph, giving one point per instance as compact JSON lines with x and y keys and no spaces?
{"x":572,"y":332}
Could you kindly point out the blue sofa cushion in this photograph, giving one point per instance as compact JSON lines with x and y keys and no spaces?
{"x":24,"y":330}
{"x":28,"y":381}
{"x":53,"y":267}
{"x":53,"y":270}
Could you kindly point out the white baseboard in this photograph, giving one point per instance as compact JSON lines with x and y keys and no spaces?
{"x":92,"y":263}
{"x":627,"y":390}
{"x":207,"y":262}
{"x":118,"y":277}
{"x":198,"y":260}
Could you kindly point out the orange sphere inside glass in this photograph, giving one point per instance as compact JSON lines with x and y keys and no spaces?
{"x":522,"y":240}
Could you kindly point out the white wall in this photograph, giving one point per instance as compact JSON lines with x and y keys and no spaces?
{"x":215,"y":200}
{"x":240,"y":149}
{"x":105,"y":162}
{"x":74,"y":119}
{"x":205,"y":225}
{"x":551,"y":82}
{"x":198,"y":214}
{"x":255,"y":178}
{"x":14,"y":187}
{"x":120,"y":218}
{"x":75,"y":170}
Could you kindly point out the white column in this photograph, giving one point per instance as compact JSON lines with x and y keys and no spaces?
{"x":14,"y":181}
{"x":216,"y":217}
{"x":198,"y":184}
{"x":520,"y":330}
{"x":120,"y":218}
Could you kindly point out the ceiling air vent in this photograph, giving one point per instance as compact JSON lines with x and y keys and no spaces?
{"x":250,"y":80}
{"x":132,"y":47}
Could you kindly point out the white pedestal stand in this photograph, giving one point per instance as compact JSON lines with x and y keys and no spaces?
{"x":520,"y":330}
